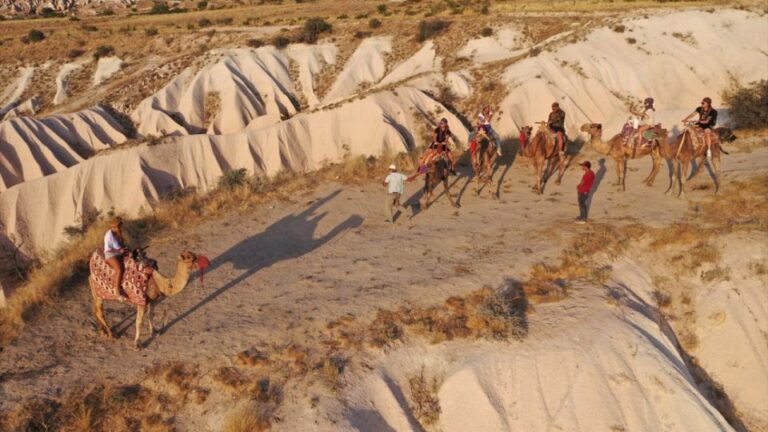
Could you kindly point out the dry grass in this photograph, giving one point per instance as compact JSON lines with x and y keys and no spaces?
{"x":250,"y":418}
{"x":424,"y":402}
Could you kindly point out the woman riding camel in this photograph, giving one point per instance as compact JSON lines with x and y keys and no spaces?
{"x":645,"y":119}
{"x":439,"y":146}
{"x":707,"y":119}
{"x":114,"y":251}
{"x":484,"y":122}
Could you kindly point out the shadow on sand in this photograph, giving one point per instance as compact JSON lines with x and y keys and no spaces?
{"x":288,"y":238}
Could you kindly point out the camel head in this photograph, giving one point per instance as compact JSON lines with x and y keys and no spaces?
{"x":594,"y":129}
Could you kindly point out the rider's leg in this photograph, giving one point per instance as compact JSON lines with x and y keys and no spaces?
{"x":497,"y":139}
{"x":117,"y":276}
{"x":560,"y":141}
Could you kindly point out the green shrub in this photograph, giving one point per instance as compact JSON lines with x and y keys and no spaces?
{"x":343,"y":17}
{"x":382,"y":8}
{"x":204,"y":22}
{"x":281,"y":42}
{"x":255,"y":43}
{"x":160,"y":8}
{"x":748,"y":105}
{"x":103,"y":51}
{"x":35,"y":35}
{"x":202,"y":5}
{"x":152,"y":31}
{"x":75,"y":53}
{"x":430,"y":29}
{"x":313,"y":27}
{"x":486,"y":32}
{"x":631,"y":41}
{"x":233,"y":179}
{"x":374,"y":23}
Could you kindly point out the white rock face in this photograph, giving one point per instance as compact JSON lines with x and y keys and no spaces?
{"x":105,"y":69}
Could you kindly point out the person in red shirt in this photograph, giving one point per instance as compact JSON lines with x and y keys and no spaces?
{"x":583,"y":190}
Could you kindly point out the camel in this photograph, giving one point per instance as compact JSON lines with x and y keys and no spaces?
{"x":685,"y":148}
{"x":542,"y":151}
{"x":143,"y":285}
{"x":616,"y":149}
{"x":437,"y":171}
{"x":483,"y":162}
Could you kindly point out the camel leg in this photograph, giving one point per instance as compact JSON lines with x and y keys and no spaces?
{"x":716,"y":169}
{"x":655,"y":169}
{"x":623,"y":175}
{"x":150,"y":314}
{"x":560,"y":170}
{"x":140,"y":310}
{"x":686,"y":164}
{"x":619,"y":163}
{"x":673,"y":178}
{"x":98,"y":311}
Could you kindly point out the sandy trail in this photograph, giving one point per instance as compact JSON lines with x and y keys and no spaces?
{"x":279,"y":273}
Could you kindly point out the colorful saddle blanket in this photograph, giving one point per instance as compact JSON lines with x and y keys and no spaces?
{"x":136,"y":276}
{"x":633,"y":138}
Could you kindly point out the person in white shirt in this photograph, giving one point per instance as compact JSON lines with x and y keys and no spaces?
{"x":114,"y":250}
{"x":645,"y":119}
{"x":484,"y":122}
{"x":395,"y":183}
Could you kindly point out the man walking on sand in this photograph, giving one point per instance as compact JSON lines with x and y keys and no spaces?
{"x":396,"y":183}
{"x":583,"y":190}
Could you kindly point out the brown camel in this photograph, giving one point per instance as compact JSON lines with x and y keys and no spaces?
{"x":483,"y":162}
{"x":437,"y":171}
{"x":144,"y":287}
{"x":685,"y":148}
{"x":542,"y":151}
{"x":616,"y":149}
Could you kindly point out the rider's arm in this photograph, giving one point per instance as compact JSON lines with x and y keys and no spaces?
{"x":689,"y":116}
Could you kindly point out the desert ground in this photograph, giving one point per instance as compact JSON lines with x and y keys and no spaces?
{"x":241,"y":133}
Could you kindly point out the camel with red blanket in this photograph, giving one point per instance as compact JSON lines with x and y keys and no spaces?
{"x":142,"y":284}
{"x":542,"y":152}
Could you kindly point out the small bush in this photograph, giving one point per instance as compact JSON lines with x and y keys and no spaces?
{"x":160,"y":8}
{"x":106,"y":12}
{"x":281,"y":42}
{"x":89,"y":28}
{"x":75,"y":53}
{"x":225,"y":21}
{"x":103,"y":51}
{"x":343,"y":17}
{"x":631,"y":41}
{"x":204,"y":22}
{"x":35,"y":35}
{"x":313,"y":27}
{"x":619,"y":28}
{"x":361,"y":34}
{"x":234,"y":179}
{"x":486,"y":32}
{"x":382,"y":8}
{"x":748,"y":105}
{"x":255,"y":43}
{"x":202,"y":5}
{"x":374,"y":23}
{"x":430,"y":29}
{"x":533,"y":52}
{"x":152,"y":31}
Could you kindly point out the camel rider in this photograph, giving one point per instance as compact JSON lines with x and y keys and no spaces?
{"x":707,"y":119}
{"x":556,"y":123}
{"x":484,"y":122}
{"x":439,"y":146}
{"x":645,"y":119}
{"x":480,"y":135}
{"x":114,"y":251}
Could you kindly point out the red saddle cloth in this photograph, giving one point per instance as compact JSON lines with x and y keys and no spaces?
{"x":136,"y":276}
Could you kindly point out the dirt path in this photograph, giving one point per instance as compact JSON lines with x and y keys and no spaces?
{"x":281,"y":272}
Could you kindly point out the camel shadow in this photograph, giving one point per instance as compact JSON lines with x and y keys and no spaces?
{"x":599,"y":175}
{"x":288,"y":238}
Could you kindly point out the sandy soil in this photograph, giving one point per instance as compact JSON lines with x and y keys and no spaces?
{"x":280,"y":273}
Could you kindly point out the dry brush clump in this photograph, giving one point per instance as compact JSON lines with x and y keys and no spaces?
{"x":423,"y":398}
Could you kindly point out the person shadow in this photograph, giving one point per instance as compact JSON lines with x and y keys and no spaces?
{"x":288,"y":238}
{"x":599,"y":175}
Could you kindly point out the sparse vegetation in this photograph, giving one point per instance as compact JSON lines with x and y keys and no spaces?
{"x":748,"y":105}
{"x":313,"y":28}
{"x":486,"y":32}
{"x":424,"y":401}
{"x":151,"y":31}
{"x":430,"y":29}
{"x":280,"y":42}
{"x":631,"y":40}
{"x":204,"y":22}
{"x":103,"y":51}
{"x":202,"y":5}
{"x":255,"y":43}
{"x":374,"y":23}
{"x":234,"y":179}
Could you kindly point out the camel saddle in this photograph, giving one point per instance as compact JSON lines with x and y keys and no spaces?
{"x":699,"y":139}
{"x":632,"y":138}
{"x":136,"y":277}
